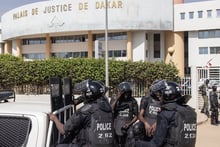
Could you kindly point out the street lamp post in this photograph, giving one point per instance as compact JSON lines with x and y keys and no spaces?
{"x":106,"y":46}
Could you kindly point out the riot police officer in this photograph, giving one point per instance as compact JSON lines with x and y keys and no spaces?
{"x":125,"y":109}
{"x":92,"y":124}
{"x":214,"y":106}
{"x":176,"y":123}
{"x":149,"y":108}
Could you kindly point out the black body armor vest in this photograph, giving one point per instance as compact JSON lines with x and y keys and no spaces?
{"x":182,"y":132}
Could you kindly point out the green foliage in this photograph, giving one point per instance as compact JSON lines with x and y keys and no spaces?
{"x":8,"y":58}
{"x":15,"y":72}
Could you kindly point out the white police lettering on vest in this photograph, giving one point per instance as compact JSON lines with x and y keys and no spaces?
{"x":104,"y":126}
{"x":189,"y":130}
{"x":104,"y":135}
{"x":154,"y":110}
{"x":189,"y":127}
{"x":124,"y":113}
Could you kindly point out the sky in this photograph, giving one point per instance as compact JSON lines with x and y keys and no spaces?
{"x":6,"y":5}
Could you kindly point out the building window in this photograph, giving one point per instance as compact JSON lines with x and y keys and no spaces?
{"x":203,"y":34}
{"x":117,"y":53}
{"x":203,"y":50}
{"x":209,"y":34}
{"x":217,"y":12}
{"x":212,"y":34}
{"x":146,"y":36}
{"x":111,"y":36}
{"x":34,"y":56}
{"x":117,"y":36}
{"x":200,"y":14}
{"x":33,"y":41}
{"x":191,"y":15}
{"x":156,"y":45}
{"x":209,"y":13}
{"x":70,"y":55}
{"x":70,"y":39}
{"x":214,"y":50}
{"x":182,"y":16}
{"x":217,"y":33}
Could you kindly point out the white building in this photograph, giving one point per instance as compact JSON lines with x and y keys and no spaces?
{"x":140,"y":30}
{"x":201,"y":21}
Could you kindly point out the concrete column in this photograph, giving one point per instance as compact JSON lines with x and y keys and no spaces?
{"x":18,"y":47}
{"x":178,"y":55}
{"x":169,"y":42}
{"x":48,"y":46}
{"x":174,"y":45}
{"x":129,"y":46}
{"x":8,"y":47}
{"x":90,"y":44}
{"x":194,"y":101}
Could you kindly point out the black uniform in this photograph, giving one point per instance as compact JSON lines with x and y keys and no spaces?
{"x":169,"y":132}
{"x":92,"y":124}
{"x":176,"y":123}
{"x":81,"y":121}
{"x":124,"y":112}
{"x":214,"y":106}
{"x":151,"y":108}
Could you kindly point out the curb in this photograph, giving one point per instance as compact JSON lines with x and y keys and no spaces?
{"x":204,"y":120}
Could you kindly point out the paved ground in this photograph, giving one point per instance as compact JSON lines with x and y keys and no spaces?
{"x":207,"y":135}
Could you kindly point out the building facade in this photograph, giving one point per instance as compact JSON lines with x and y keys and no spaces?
{"x":136,"y":31}
{"x":141,"y":30}
{"x":201,"y":22}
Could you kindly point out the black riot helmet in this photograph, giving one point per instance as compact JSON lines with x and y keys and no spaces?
{"x":104,"y":87}
{"x":172,"y":92}
{"x":125,"y":88}
{"x":157,"y":88}
{"x":214,"y":88}
{"x":91,"y":90}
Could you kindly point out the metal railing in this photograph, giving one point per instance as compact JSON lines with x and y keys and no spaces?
{"x":186,"y":85}
{"x":53,"y":135}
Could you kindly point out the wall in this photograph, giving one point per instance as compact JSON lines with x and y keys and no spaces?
{"x":81,"y":15}
{"x":196,"y":23}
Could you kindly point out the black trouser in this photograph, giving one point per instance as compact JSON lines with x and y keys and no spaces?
{"x":214,"y":115}
{"x":140,"y":133}
{"x":120,"y":141}
{"x":125,"y":140}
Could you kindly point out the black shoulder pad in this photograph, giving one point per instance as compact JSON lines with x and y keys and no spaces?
{"x":86,"y":108}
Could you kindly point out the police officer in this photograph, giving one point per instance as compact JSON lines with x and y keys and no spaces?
{"x":214,"y":106}
{"x":176,"y":123}
{"x":125,"y":109}
{"x":204,"y":91}
{"x":92,"y":124}
{"x":149,"y":108}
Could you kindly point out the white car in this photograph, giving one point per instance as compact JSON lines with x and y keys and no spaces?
{"x":25,"y":122}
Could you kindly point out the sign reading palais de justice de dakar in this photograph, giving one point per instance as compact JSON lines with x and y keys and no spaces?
{"x":83,"y":15}
{"x":67,"y":7}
